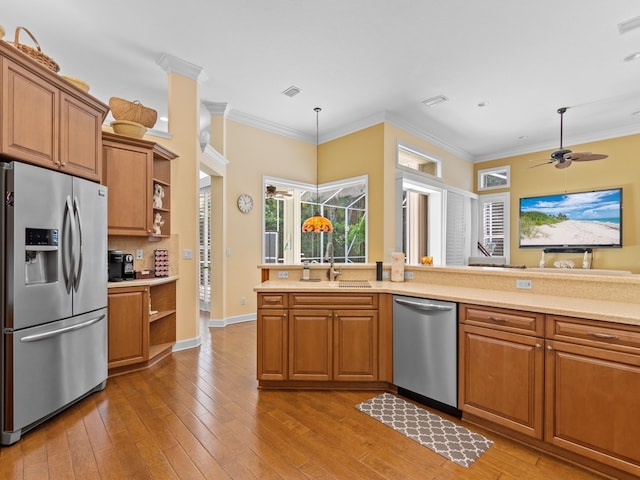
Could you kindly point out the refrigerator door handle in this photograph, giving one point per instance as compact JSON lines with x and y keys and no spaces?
{"x":79,"y":252}
{"x":54,"y":333}
{"x":68,"y":270}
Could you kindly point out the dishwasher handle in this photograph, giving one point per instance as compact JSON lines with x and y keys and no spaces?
{"x":427,"y":307}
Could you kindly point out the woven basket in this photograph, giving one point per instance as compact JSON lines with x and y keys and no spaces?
{"x":132,"y":112}
{"x":35,"y":53}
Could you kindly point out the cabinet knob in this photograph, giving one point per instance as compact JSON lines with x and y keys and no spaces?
{"x":549,"y":347}
{"x":538,"y":346}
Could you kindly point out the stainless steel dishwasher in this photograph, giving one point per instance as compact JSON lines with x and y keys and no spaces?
{"x":425,"y":351}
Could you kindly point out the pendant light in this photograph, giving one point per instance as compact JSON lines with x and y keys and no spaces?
{"x":317,"y":223}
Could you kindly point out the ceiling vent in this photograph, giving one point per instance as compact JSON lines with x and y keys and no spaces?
{"x":292,"y":91}
{"x":629,"y":25}
{"x":430,"y":102}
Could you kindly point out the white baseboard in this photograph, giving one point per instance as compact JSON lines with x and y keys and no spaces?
{"x":187,"y":344}
{"x":217,"y":323}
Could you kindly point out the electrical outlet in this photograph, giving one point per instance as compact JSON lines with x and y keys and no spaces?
{"x":283,"y":274}
{"x":187,"y":254}
{"x":408,"y":275}
{"x":139,"y":254}
{"x":243,"y":301}
{"x":385,"y":275}
{"x":520,"y":283}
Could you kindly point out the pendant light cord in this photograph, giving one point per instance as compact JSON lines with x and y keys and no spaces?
{"x":317,"y":110}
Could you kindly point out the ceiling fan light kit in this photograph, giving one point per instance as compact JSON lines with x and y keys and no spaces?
{"x":564,"y":157}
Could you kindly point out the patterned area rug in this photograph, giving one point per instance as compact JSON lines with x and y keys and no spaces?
{"x":444,"y":437}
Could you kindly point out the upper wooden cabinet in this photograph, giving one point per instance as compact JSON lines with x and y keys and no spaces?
{"x":131,"y":169}
{"x":46,"y":120}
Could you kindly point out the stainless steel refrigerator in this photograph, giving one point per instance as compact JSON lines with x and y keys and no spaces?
{"x":53,"y":298}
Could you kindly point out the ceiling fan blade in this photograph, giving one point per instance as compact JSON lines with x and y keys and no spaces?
{"x":541,"y":164}
{"x":564,"y":163}
{"x":584,"y":156}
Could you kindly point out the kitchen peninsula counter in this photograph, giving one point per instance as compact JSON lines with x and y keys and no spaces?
{"x":595,"y":296}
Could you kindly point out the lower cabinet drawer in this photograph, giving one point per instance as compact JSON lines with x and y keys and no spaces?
{"x":516,"y":321}
{"x":623,"y":338}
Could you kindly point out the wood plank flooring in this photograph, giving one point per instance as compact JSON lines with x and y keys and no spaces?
{"x":198,"y":414}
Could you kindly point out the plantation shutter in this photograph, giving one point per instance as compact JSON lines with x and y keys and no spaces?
{"x":494,"y":211}
{"x":456,"y":229}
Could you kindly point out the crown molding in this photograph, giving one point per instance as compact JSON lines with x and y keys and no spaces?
{"x":257,"y":122}
{"x":408,"y":127}
{"x":353,"y":127}
{"x":403,"y":124}
{"x":215,"y":156}
{"x":169,"y":64}
{"x":541,"y":147}
{"x":216,"y":108}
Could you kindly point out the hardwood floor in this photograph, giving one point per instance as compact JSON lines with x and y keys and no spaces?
{"x":198,"y":414}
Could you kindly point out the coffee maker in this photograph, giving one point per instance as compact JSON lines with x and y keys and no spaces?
{"x":120,"y":266}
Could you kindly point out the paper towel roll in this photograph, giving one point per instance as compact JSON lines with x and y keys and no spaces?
{"x":397,"y":267}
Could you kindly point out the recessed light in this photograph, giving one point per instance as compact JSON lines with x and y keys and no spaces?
{"x":483,"y":104}
{"x":624,"y":27}
{"x":522,"y":137}
{"x":633,"y":56}
{"x":430,"y":102}
{"x":636,"y":113}
{"x":291,"y":91}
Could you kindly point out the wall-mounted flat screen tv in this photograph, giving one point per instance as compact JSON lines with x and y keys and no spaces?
{"x":572,"y":220}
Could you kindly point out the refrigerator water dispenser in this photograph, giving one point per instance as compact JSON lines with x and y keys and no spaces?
{"x":41,"y":251}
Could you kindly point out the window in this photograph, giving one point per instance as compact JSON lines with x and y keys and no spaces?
{"x":414,"y":159}
{"x":492,"y":178}
{"x":287,"y":204}
{"x":494,"y":224}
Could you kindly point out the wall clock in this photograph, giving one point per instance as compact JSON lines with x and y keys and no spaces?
{"x":245,"y":203}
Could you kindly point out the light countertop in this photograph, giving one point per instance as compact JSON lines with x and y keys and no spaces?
{"x":595,"y":309}
{"x":142,"y":282}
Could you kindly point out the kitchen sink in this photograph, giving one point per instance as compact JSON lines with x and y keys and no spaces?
{"x":354,"y":284}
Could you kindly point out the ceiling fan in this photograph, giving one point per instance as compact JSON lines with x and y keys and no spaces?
{"x":563,"y":157}
{"x":272,"y":191}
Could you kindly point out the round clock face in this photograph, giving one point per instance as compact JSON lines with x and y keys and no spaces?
{"x":245,"y":203}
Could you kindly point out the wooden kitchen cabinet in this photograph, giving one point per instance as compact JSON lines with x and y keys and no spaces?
{"x":46,"y":120}
{"x":128,"y":309}
{"x":592,"y":393}
{"x":316,"y":337}
{"x":273,"y":328}
{"x":131,"y":168}
{"x":502,"y":367}
{"x":310,"y":344}
{"x":355,"y":345}
{"x":142,"y":324}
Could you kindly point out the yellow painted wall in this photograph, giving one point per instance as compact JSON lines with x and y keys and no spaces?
{"x":621,"y":169}
{"x":253,"y":153}
{"x":372,"y":152}
{"x":360,"y":153}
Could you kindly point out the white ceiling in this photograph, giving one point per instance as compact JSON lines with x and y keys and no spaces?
{"x":366,"y":60}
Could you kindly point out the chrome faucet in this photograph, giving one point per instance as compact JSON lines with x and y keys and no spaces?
{"x":332,"y":273}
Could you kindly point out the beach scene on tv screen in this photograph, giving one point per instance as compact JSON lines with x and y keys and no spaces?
{"x":587,"y":218}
